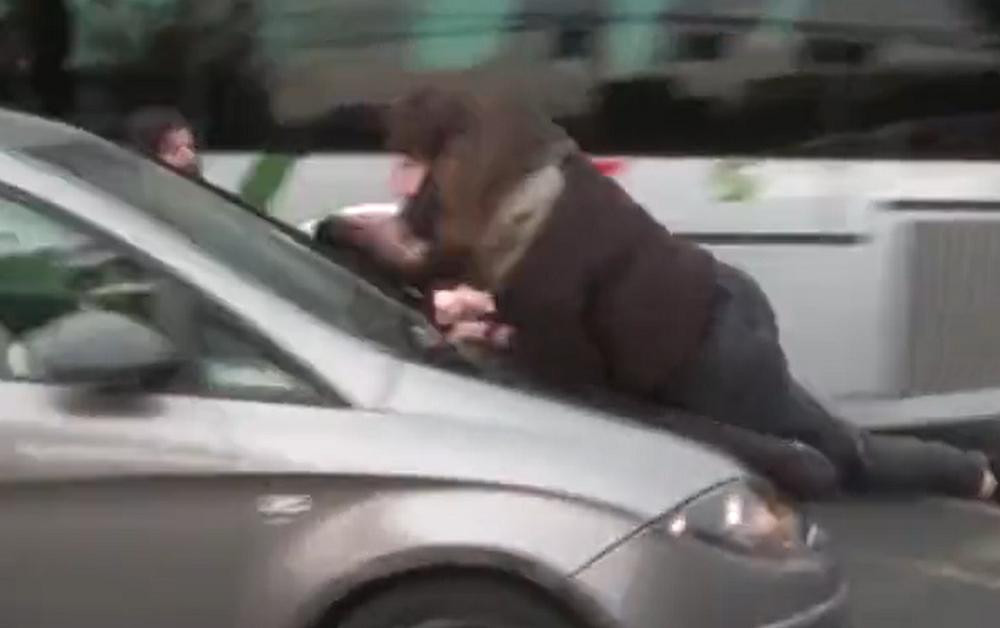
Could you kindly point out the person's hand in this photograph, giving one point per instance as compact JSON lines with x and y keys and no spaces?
{"x":462,"y":304}
{"x":465,"y":313}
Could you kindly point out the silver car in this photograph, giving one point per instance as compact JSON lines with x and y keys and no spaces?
{"x":206,"y":423}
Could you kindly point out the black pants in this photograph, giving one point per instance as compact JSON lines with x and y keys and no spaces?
{"x":741,"y":379}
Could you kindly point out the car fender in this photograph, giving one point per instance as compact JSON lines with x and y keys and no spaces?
{"x":381,"y":534}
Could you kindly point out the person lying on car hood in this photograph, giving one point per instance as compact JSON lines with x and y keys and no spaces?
{"x":601,"y":296}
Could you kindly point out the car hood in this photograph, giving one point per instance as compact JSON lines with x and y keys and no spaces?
{"x":549,"y":445}
{"x":434,"y":426}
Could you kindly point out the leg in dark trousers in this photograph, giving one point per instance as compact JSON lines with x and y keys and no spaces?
{"x":741,"y":378}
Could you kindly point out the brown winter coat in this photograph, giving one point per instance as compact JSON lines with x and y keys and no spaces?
{"x":600,"y":293}
{"x":605,"y":295}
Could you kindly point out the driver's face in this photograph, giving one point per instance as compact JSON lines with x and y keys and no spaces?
{"x":407,"y":177}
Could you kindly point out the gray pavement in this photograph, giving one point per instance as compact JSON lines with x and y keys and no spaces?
{"x":918,"y":563}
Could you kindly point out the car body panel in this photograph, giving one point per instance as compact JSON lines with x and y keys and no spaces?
{"x":173,"y":490}
{"x":94,"y":531}
{"x":119,"y":552}
{"x":629,"y":478}
{"x":651,"y":576}
{"x":302,"y":566}
{"x":58,"y":432}
{"x":624,"y":449}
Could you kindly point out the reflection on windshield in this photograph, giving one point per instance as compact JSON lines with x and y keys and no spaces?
{"x":272,"y":255}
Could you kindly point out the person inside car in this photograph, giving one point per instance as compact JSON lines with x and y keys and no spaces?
{"x":164,"y":135}
{"x":599,"y":296}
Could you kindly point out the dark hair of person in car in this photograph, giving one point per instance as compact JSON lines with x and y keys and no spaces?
{"x":164,"y":135}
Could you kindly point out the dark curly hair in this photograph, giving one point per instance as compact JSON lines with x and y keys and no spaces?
{"x":146,"y":128}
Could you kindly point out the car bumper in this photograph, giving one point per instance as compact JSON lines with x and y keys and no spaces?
{"x":653,"y":581}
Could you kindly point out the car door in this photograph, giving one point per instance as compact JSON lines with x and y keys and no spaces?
{"x":121,"y":508}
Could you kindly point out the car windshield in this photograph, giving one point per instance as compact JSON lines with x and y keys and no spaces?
{"x":271,"y":254}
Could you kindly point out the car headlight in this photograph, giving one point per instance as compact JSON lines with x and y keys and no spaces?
{"x":746,"y":517}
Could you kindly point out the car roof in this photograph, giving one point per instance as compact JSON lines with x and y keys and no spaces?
{"x":21,"y":130}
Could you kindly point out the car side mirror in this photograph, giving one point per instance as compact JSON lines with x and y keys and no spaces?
{"x":99,"y":348}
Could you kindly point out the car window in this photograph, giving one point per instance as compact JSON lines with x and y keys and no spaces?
{"x":23,"y":231}
{"x":274,"y":256}
{"x":49,"y":269}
